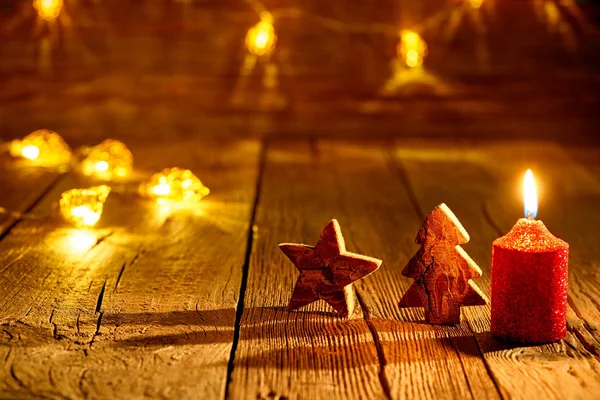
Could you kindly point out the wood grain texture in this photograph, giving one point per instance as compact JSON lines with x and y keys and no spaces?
{"x":309,"y":353}
{"x":419,"y":360}
{"x":442,"y":270}
{"x":145,"y":307}
{"x":306,"y":184}
{"x":482,"y":183}
{"x":21,"y":186}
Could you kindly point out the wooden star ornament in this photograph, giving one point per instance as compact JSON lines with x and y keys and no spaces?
{"x":327,"y":271}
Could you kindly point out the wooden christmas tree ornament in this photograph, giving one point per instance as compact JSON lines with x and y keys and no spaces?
{"x":442,"y":270}
{"x":327,"y":271}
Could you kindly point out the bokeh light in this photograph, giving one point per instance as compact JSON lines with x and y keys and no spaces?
{"x":110,"y":159}
{"x":83,"y":207}
{"x":174,"y":184}
{"x":43,"y":147}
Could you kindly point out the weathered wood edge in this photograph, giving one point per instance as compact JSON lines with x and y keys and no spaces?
{"x":22,"y":187}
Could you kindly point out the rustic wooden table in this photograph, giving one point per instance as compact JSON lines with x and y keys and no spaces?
{"x":178,"y":304}
{"x":157,"y":303}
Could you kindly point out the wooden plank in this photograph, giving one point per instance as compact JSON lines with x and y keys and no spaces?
{"x":307,"y":353}
{"x":146,"y":308}
{"x":293,"y":355}
{"x":421,"y":361}
{"x":481,"y":183}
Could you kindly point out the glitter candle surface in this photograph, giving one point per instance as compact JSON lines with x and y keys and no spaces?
{"x":529,"y":284}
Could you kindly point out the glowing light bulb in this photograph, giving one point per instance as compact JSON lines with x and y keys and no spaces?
{"x":101,"y":166}
{"x":530,"y":195}
{"x":48,"y":10}
{"x":175,"y":184}
{"x":475,"y":3}
{"x":162,"y":189}
{"x":261,"y":38}
{"x":30,"y":152}
{"x":44,"y":147}
{"x":412,"y":49}
{"x":83,"y":207}
{"x":108,"y":160}
{"x":85,"y":213}
{"x":412,"y":58}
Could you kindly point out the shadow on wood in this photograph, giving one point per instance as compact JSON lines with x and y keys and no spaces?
{"x":223,"y":317}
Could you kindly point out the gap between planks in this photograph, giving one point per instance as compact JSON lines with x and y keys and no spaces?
{"x":28,"y":208}
{"x":98,"y":298}
{"x":240,"y":307}
{"x":396,"y":165}
{"x":262,"y":159}
{"x":393,"y":166}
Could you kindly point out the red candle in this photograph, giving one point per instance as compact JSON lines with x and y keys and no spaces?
{"x":529,"y":280}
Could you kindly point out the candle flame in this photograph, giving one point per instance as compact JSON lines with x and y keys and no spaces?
{"x":530,"y":195}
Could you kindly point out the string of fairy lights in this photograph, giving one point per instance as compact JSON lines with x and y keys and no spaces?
{"x":411,"y":49}
{"x":112,"y":161}
{"x":261,"y":38}
{"x":109,"y":161}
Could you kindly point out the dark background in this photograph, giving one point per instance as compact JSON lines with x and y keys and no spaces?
{"x":163,"y":69}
